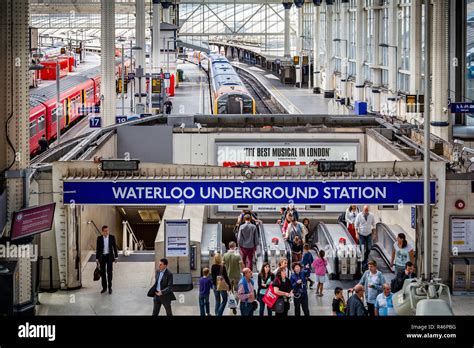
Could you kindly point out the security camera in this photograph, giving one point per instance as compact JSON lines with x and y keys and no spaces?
{"x":182,"y":126}
{"x":199,"y":126}
{"x":248,"y":173}
{"x":471,"y":159}
{"x":445,"y":109}
{"x":468,"y":150}
{"x":458,"y":141}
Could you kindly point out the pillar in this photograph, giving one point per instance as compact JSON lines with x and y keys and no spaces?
{"x":440,"y":70}
{"x":166,"y":11}
{"x":107,"y":61}
{"x":377,"y":72}
{"x":344,"y":46}
{"x":393,"y":52}
{"x":328,"y":85}
{"x":156,"y":44}
{"x":299,"y":44}
{"x":360,"y":50}
{"x":415,"y":46}
{"x":316,"y":56}
{"x":287,"y":46}
{"x":14,"y":120}
{"x":140,"y":40}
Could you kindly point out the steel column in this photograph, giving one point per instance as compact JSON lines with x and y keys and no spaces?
{"x":156,"y":35}
{"x":107,"y":42}
{"x":140,"y":38}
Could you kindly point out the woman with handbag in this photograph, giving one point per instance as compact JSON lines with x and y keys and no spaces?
{"x":283,"y":289}
{"x":221,"y":284}
{"x":265,"y":277}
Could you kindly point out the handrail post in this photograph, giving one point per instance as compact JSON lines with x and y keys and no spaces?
{"x":124,"y":235}
{"x":130,"y":240}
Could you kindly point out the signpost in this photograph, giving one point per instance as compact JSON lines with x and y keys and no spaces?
{"x":95,"y":122}
{"x":121,"y":119}
{"x":30,"y":221}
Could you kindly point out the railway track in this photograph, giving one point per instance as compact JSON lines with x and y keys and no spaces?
{"x":264,"y":104}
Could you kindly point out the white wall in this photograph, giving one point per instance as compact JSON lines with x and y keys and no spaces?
{"x":377,"y":152}
{"x":101,"y":215}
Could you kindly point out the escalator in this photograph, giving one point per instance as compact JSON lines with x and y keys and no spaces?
{"x":383,"y":246}
{"x":211,"y":243}
{"x":344,"y":258}
{"x":273,"y":251}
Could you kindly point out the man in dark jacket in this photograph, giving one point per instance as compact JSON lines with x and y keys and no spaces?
{"x":408,"y":273}
{"x":355,"y":304}
{"x":163,"y":289}
{"x":106,"y":254}
{"x":43,"y":143}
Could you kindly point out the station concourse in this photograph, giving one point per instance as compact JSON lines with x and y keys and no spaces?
{"x":168,"y":122}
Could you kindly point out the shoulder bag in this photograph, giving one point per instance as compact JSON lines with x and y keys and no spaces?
{"x":97,"y":273}
{"x":221,"y":283}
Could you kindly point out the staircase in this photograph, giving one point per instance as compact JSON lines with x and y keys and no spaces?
{"x":130,"y":242}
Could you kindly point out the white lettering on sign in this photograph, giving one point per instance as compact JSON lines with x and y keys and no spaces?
{"x":149,"y":193}
{"x":280,"y":154}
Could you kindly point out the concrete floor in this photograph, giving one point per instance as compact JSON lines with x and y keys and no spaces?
{"x":133,"y":279}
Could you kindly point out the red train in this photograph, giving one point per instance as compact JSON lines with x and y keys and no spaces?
{"x":76,"y":91}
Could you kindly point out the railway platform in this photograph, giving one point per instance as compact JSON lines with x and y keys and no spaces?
{"x":296,"y":100}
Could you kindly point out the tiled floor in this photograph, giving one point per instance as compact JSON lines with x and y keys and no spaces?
{"x":133,"y":279}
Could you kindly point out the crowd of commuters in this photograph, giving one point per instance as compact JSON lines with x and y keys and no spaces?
{"x":232,"y":273}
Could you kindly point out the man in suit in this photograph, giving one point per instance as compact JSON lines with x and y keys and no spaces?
{"x":163,"y":289}
{"x":106,"y":254}
{"x":399,"y":280}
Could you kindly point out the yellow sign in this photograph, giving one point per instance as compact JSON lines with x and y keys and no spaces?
{"x":296,"y":60}
{"x":305,"y":60}
{"x":156,"y":86}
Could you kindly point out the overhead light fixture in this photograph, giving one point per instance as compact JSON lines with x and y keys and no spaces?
{"x":149,"y":215}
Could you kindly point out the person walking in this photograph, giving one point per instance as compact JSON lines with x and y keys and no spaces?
{"x":300,"y":292}
{"x":234,"y":265}
{"x":402,"y":253}
{"x":307,"y":262}
{"x":43,"y":143}
{"x":384,"y":303}
{"x":372,"y":280}
{"x":106,"y":255}
{"x":205,"y":285}
{"x":247,"y":239}
{"x":319,"y":265}
{"x":164,"y":289}
{"x":168,"y":106}
{"x":355,"y":303}
{"x":246,"y":293}
{"x":284,"y":291}
{"x":221,"y":284}
{"x":365,"y":227}
{"x":351,"y":215}
{"x":338,"y":303}
{"x":265,"y":278}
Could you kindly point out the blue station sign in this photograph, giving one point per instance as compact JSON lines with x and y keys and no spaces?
{"x":237,"y":192}
{"x":465,"y":108}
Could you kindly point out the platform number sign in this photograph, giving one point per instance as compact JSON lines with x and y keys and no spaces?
{"x":95,"y":122}
{"x":120,"y":119}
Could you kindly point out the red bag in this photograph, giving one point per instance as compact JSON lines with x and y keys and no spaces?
{"x":270,"y":297}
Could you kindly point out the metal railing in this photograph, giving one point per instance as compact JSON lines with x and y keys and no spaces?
{"x":96,"y":229}
{"x":130,"y":242}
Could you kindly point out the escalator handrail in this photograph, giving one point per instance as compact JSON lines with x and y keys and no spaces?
{"x":387,"y":230}
{"x":263,"y":241}
{"x":326,"y":233}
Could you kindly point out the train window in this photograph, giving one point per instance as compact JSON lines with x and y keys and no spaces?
{"x":90,"y":95}
{"x":248,"y":105}
{"x":32,"y":129}
{"x":54,"y":115}
{"x":41,"y":124}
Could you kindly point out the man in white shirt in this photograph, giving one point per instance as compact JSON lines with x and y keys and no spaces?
{"x":106,"y":255}
{"x":365,"y":226}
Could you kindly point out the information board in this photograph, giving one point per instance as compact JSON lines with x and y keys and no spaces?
{"x":462,"y":234}
{"x":176,"y":237}
{"x":32,"y":220}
